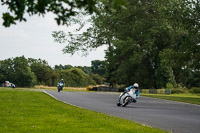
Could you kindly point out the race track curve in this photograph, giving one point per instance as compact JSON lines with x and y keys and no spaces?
{"x":173,"y":116}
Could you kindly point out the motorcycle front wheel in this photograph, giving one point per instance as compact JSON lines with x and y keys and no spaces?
{"x":126,"y":101}
{"x":118,"y":104}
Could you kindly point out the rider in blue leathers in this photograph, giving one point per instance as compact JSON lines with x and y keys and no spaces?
{"x":127,"y":89}
{"x":60,"y":85}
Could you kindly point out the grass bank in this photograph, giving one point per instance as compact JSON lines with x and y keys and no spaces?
{"x":186,"y":98}
{"x":35,"y":112}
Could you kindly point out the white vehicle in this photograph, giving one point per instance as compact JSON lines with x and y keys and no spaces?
{"x":8,"y":84}
{"x":127,"y":98}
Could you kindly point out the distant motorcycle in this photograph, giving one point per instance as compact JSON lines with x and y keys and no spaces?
{"x":60,"y":86}
{"x":127,"y":98}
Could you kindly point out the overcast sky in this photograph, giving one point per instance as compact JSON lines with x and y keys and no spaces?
{"x":33,"y":40}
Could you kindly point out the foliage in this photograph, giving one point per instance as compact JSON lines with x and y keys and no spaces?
{"x":17,"y":71}
{"x":75,"y":77}
{"x":63,"y":9}
{"x":98,"y":67}
{"x":44,"y":73}
{"x":97,"y":78}
{"x":61,"y":67}
{"x":195,"y":90}
{"x":85,"y":69}
{"x":29,"y":72}
{"x":149,"y":42}
{"x":178,"y":91}
{"x":169,"y":86}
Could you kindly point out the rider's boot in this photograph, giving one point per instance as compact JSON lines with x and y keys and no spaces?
{"x":134,"y":100}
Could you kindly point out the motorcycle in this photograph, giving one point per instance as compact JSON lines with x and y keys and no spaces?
{"x":127,"y":98}
{"x":60,"y":86}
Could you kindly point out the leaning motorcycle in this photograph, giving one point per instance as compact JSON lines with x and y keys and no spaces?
{"x":127,"y":98}
{"x":60,"y":87}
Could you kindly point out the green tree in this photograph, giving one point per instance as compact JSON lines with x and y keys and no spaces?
{"x":98,"y":79}
{"x":139,"y":39}
{"x":63,"y":9}
{"x":6,"y":70}
{"x":22,"y":72}
{"x":61,"y":67}
{"x":85,"y":69}
{"x":75,"y":77}
{"x":98,"y":67}
{"x":44,"y":73}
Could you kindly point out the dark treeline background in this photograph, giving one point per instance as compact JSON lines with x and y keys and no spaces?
{"x":29,"y":72}
{"x":155,"y":43}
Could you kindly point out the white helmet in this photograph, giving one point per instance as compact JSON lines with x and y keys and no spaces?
{"x":136,"y":85}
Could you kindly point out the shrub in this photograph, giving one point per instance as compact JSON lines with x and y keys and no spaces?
{"x":178,"y":91}
{"x":169,"y":86}
{"x":75,"y":77}
{"x":98,"y":79}
{"x":195,"y":90}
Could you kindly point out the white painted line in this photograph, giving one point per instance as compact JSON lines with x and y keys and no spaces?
{"x":62,"y":101}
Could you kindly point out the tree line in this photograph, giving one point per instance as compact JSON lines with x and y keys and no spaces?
{"x":155,"y":43}
{"x":29,"y":72}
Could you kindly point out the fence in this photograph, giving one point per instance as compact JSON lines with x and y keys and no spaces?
{"x":148,"y":91}
{"x":156,"y":91}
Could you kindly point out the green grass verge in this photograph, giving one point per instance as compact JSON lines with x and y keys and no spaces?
{"x":186,"y":98}
{"x":34,"y":112}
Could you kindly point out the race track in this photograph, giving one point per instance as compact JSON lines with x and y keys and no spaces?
{"x":175,"y":117}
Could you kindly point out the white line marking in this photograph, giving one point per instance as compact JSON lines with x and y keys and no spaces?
{"x":62,"y":101}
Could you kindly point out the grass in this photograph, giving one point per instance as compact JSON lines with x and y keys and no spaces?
{"x":24,"y":111}
{"x":186,"y":98}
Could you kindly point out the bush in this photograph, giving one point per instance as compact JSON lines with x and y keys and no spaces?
{"x":98,"y":79}
{"x":195,"y":90}
{"x":178,"y":91}
{"x":169,"y":86}
{"x":75,"y":77}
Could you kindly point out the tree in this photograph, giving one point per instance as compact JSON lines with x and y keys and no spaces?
{"x":75,"y":77}
{"x":98,"y":79}
{"x":6,"y":70}
{"x":61,"y":67}
{"x":98,"y":67}
{"x":150,"y":42}
{"x":85,"y":69}
{"x":17,"y":71}
{"x":44,"y":73}
{"x":63,"y":9}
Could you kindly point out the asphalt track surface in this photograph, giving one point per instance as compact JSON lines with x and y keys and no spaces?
{"x":175,"y":117}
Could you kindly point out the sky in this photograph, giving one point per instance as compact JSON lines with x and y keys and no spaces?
{"x":33,"y":40}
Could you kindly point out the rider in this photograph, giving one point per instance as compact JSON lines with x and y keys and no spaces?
{"x":61,"y":83}
{"x":136,"y":87}
{"x":127,"y":89}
